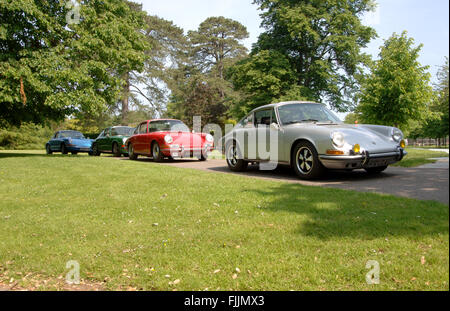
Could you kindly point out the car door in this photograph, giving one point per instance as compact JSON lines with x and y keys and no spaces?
{"x":99,"y":139}
{"x":139,"y":146}
{"x":53,"y":142}
{"x":262,"y":129}
{"x":106,"y":141}
{"x":245,"y":136}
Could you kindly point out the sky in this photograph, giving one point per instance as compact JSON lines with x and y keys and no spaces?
{"x":425,"y":21}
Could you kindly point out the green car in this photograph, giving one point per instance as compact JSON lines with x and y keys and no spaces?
{"x":112,"y":140}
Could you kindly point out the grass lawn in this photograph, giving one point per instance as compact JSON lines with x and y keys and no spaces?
{"x":140,"y":225}
{"x":417,"y":157}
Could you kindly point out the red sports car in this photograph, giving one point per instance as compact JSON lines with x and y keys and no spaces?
{"x":168,"y":138}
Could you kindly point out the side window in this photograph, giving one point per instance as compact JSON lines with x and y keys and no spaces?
{"x":262,"y":118}
{"x":106,"y":133}
{"x":55,"y":136}
{"x":143,"y":128}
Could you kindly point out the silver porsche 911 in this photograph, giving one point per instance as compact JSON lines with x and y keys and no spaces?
{"x":310,"y":138}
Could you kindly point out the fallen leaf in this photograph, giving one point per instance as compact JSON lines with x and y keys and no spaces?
{"x":238,"y":270}
{"x":216,"y":271}
{"x":234,"y":276}
{"x":422,"y":260}
{"x":177,"y":281}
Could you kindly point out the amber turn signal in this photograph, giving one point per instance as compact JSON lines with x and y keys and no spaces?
{"x":357,"y":148}
{"x":403,"y":143}
{"x":335,"y":152}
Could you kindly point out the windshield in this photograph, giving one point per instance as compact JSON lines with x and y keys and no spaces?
{"x":168,"y":126}
{"x":303,"y":113}
{"x":71,"y":134}
{"x":122,"y":131}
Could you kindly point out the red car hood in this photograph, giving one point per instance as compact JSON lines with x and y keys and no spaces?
{"x":188,"y":139}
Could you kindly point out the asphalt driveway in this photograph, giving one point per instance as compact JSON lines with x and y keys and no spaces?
{"x":424,"y":183}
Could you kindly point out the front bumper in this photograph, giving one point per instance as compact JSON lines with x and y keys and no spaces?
{"x":364,"y":160}
{"x":74,"y":148}
{"x":185,"y":152}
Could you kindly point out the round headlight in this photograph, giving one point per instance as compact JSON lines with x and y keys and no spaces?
{"x":397,"y":135}
{"x":168,"y":139}
{"x":209,"y":138}
{"x":338,"y":139}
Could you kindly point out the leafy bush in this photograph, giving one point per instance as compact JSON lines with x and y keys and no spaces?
{"x":28,"y":136}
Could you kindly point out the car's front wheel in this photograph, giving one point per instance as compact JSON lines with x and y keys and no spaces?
{"x":156,"y":153}
{"x":376,"y":170}
{"x":116,"y":150}
{"x":131,"y":154}
{"x":48,"y":149}
{"x":235,"y":161}
{"x":306,"y":161}
{"x":64,"y":149}
{"x":95,"y":151}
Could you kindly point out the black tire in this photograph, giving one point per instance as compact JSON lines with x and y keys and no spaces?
{"x":203,"y":157}
{"x":234,"y":158}
{"x":376,"y":170}
{"x":305,"y":161}
{"x":48,"y":149}
{"x":115,"y":150}
{"x":95,"y":151}
{"x":64,"y":149}
{"x":156,"y":153}
{"x":131,"y":154}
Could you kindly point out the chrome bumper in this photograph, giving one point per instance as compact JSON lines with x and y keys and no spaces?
{"x":364,"y":160}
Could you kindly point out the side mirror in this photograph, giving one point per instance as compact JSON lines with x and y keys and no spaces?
{"x":274,"y":126}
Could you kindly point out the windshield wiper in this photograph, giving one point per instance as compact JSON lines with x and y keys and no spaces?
{"x":310,"y":120}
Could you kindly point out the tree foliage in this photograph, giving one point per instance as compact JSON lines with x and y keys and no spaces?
{"x":322,"y":41}
{"x":65,"y":69}
{"x":199,"y":86}
{"x":397,"y":89}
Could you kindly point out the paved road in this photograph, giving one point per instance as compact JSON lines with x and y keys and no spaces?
{"x":419,"y":183}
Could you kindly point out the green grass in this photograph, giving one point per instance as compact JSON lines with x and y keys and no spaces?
{"x":101,"y":212}
{"x":417,"y":157}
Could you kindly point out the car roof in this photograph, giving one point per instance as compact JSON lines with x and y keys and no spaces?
{"x":284,"y":103}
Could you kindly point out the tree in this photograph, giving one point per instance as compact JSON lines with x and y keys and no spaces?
{"x":352,"y":118}
{"x":216,"y":44}
{"x":322,"y":41}
{"x":262,"y":78}
{"x":198,"y":84}
{"x":441,"y":105}
{"x":51,"y":69}
{"x":168,"y":47}
{"x":397,"y":90}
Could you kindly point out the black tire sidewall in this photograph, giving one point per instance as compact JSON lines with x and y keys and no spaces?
{"x":241,"y":165}
{"x":317,"y":169}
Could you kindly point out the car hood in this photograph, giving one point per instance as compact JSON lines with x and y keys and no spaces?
{"x":81,"y":142}
{"x":373,"y":138}
{"x":187,"y":138}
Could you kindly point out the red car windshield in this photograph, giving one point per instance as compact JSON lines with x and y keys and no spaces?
{"x":167,"y":126}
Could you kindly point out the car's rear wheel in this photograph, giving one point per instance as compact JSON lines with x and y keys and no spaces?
{"x":116,"y":150}
{"x":306,"y":161}
{"x":376,"y":170}
{"x":235,"y":161}
{"x":131,"y":154}
{"x":95,"y":150}
{"x":64,"y":149}
{"x":48,"y":149}
{"x":156,"y":153}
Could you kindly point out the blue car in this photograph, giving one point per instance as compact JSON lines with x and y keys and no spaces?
{"x":69,"y":141}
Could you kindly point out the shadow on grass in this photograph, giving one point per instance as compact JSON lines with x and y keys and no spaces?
{"x":351,"y":214}
{"x":13,"y":154}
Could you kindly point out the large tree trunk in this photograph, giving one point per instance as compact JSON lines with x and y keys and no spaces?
{"x":125,"y":96}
